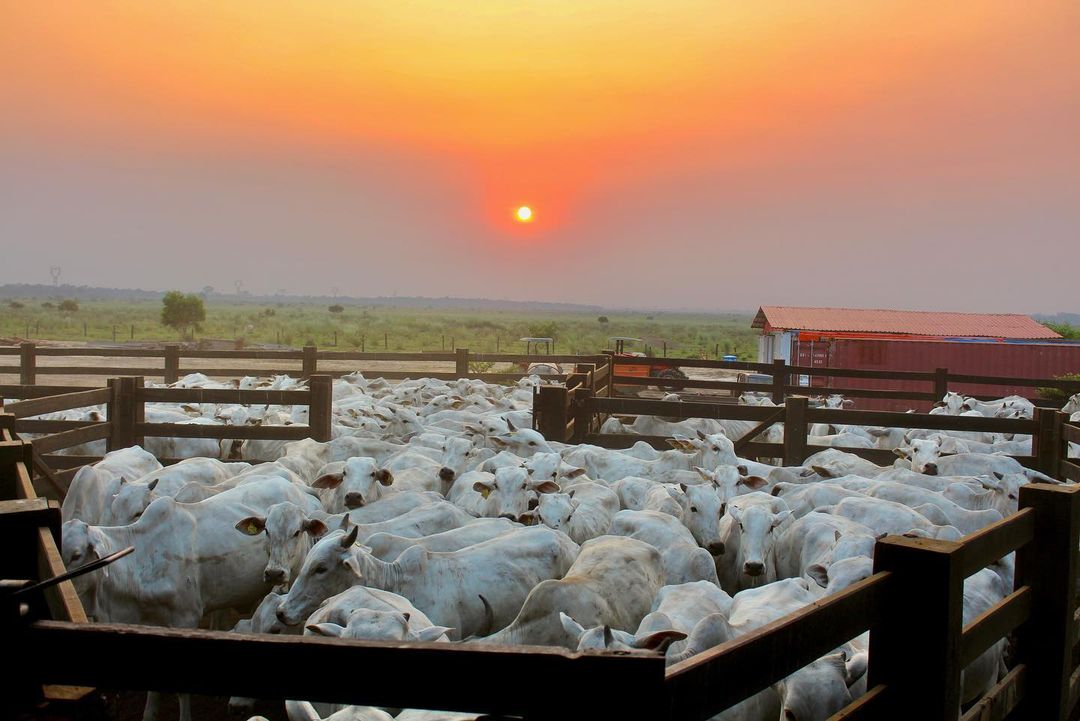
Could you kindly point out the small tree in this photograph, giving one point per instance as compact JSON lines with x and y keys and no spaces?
{"x":15,"y":305}
{"x":68,"y":306}
{"x":182,"y":312}
{"x":546,"y":329}
{"x":335,"y":308}
{"x":602,"y":319}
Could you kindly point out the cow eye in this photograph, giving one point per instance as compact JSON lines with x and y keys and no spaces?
{"x":532,"y":443}
{"x":554,"y":474}
{"x":320,"y":569}
{"x":693,"y":508}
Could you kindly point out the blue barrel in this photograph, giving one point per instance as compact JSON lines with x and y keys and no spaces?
{"x":731,"y":357}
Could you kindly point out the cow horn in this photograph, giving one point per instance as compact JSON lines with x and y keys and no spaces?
{"x":489,"y":616}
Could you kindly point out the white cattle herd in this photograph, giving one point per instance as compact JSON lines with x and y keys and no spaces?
{"x":437,"y":514}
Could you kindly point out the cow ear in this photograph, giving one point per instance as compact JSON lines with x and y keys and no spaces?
{"x":572,"y":627}
{"x":431,"y":633}
{"x":753,"y":482}
{"x":780,"y":518}
{"x":823,"y":472}
{"x":682,"y":487}
{"x":900,"y":452}
{"x":547,"y":486}
{"x":743,"y":470}
{"x":819,"y":574}
{"x":384,"y":476}
{"x":251,"y":526}
{"x":705,"y":475}
{"x":609,"y":637}
{"x":660,"y":640}
{"x":999,"y":476}
{"x":326,"y":629}
{"x":574,"y":473}
{"x":353,"y":565}
{"x":836,"y":536}
{"x":152,"y":484}
{"x":330,"y":480}
{"x":529,"y":518}
{"x":483,"y":488}
{"x":855,"y":668}
{"x":315,"y":527}
{"x":350,"y":538}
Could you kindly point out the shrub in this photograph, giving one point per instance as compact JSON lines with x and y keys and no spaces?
{"x":68,"y":306}
{"x":15,"y":305}
{"x":1057,"y":393}
{"x":335,"y":308}
{"x":602,"y":319}
{"x":182,"y":312}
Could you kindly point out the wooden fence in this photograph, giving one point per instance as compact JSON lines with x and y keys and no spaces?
{"x":784,"y":380}
{"x":165,"y":363}
{"x":912,"y":607}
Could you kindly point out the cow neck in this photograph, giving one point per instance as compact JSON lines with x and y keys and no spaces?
{"x":378,"y":574}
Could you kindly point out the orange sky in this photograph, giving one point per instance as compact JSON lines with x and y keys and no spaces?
{"x":838,"y":129}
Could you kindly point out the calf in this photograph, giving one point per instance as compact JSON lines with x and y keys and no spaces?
{"x":749,"y":532}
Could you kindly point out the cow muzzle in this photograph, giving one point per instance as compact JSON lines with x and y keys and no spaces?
{"x":930,"y":469}
{"x":446,"y":475}
{"x":716,"y":548}
{"x":354,"y":500}
{"x":276,"y":576}
{"x":754,"y":569}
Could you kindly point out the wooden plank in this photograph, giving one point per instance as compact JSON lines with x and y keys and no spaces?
{"x":86,"y":351}
{"x":1048,"y":566}
{"x":9,"y":350}
{"x":994,"y":624}
{"x":241,"y":372}
{"x":1000,"y":701}
{"x":1070,"y":471}
{"x":222,"y":395}
{"x":521,"y":358}
{"x":865,"y":393}
{"x":62,"y":402}
{"x":15,"y":458}
{"x":862,"y":373}
{"x":39,"y":391}
{"x":321,"y":407}
{"x":68,"y":439}
{"x":347,"y":355}
{"x":678,"y":383}
{"x":625,"y":440}
{"x":867,"y":707}
{"x":796,"y":428}
{"x":296,"y":667}
{"x":10,"y":370}
{"x":243,"y":354}
{"x":680,"y":409}
{"x":1066,"y":385}
{"x":924,"y":608}
{"x":35,"y":426}
{"x":719,"y":678}
{"x":1070,"y":432}
{"x":63,"y":601}
{"x":777,"y":417}
{"x":996,"y":541}
{"x":99,"y":371}
{"x":198,"y":430}
{"x":64,"y":462}
{"x":875,"y":455}
{"x":892,"y":419}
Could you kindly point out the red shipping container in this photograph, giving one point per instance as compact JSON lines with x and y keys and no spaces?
{"x":1028,"y":359}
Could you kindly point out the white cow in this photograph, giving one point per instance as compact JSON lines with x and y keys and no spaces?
{"x":749,"y":532}
{"x":683,"y":560}
{"x":446,"y":586}
{"x":94,"y":486}
{"x":611,"y":583}
{"x":388,"y":546}
{"x":584,"y":511}
{"x":358,"y":482}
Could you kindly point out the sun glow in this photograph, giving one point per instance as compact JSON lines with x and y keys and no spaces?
{"x":524,"y":214}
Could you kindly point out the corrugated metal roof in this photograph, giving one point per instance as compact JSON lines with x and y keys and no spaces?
{"x":913,"y":322}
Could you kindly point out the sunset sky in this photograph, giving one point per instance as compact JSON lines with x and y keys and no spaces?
{"x":712,"y":154}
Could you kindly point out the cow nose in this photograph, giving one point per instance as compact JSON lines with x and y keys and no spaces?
{"x":446,"y":474}
{"x":281,"y":616}
{"x":754,"y":569}
{"x":274,"y":575}
{"x":354,"y":500}
{"x":716,"y":548}
{"x":930,"y":469}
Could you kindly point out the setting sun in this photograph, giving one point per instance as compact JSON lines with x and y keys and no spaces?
{"x":524,"y":214}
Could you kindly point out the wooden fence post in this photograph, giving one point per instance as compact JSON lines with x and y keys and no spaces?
{"x":941,"y":383}
{"x":320,"y":410}
{"x":172,"y":363}
{"x":1048,"y":566}
{"x":1047,"y":441}
{"x":124,"y":411}
{"x":795,"y":430}
{"x":310,"y":363}
{"x":27,"y":364}
{"x":583,"y":418}
{"x":610,"y":355}
{"x":550,"y":412}
{"x":925,"y":611}
{"x":461,"y":360}
{"x":779,"y":380}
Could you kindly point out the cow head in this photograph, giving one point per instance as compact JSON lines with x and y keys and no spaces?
{"x":358,"y":483}
{"x":551,"y":466}
{"x":130,"y":501}
{"x":820,"y":689}
{"x":511,"y":492}
{"x":604,"y":638}
{"x":289,"y":532}
{"x":330,"y":568}
{"x":372,"y":625}
{"x":759,"y":524}
{"x":923,"y":455}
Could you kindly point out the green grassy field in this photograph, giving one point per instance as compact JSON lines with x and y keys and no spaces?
{"x":376,"y":328}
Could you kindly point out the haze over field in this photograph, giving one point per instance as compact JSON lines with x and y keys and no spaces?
{"x":693,"y":153}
